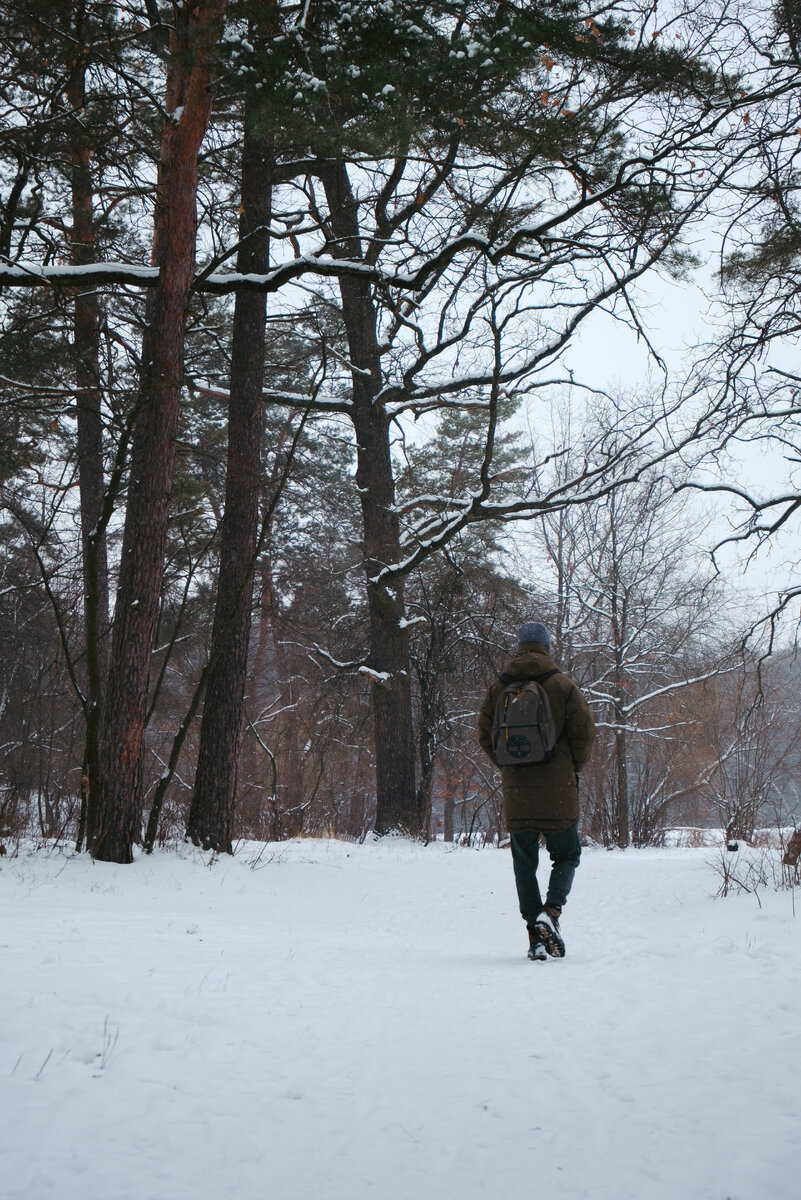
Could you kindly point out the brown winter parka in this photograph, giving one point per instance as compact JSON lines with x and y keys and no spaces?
{"x":543,"y":796}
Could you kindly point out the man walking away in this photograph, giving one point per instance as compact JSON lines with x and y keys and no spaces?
{"x":540,"y":796}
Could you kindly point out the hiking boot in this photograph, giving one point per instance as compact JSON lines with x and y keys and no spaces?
{"x":536,"y":950}
{"x":547,"y":929}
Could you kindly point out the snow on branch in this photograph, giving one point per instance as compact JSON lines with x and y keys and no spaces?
{"x":36,"y":389}
{"x":376,"y":676}
{"x":28,"y":274}
{"x":620,"y":727}
{"x":35,"y":275}
{"x":356,"y":665}
{"x":672,"y":687}
{"x":298,"y":400}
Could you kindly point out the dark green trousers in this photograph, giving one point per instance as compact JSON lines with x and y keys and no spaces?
{"x":565,"y":851}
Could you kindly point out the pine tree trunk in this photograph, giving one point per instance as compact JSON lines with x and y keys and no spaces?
{"x":211,"y":814}
{"x":398,"y":803}
{"x":193,"y":52}
{"x":86,"y":332}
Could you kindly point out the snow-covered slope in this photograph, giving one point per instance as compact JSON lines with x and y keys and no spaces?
{"x":338,"y":1022}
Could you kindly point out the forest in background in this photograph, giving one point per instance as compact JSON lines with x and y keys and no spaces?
{"x":286,"y":293}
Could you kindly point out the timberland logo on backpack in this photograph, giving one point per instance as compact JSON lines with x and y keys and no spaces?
{"x":523,"y":730}
{"x":518,"y":745}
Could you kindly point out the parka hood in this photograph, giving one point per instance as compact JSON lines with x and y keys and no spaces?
{"x":529,"y":660}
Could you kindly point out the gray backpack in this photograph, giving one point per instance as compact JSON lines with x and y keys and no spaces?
{"x":523,"y":731}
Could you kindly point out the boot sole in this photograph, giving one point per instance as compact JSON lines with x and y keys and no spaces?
{"x":550,"y":940}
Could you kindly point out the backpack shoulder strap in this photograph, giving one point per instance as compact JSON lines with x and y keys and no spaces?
{"x":547,"y":675}
{"x":506,"y":679}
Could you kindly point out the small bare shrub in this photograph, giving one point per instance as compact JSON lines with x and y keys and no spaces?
{"x":754,"y":868}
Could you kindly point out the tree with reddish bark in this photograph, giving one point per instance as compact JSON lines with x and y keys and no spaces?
{"x":194,"y":46}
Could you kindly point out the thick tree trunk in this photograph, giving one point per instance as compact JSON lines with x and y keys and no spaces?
{"x":398,"y":804}
{"x":211,"y":814}
{"x":193,"y":55}
{"x":86,"y":327}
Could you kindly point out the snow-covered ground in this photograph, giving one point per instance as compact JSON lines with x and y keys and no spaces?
{"x":338,"y":1022}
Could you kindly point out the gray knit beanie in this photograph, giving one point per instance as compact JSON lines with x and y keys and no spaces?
{"x":532,"y":631}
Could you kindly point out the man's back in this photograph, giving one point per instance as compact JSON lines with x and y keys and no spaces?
{"x":545,"y":795}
